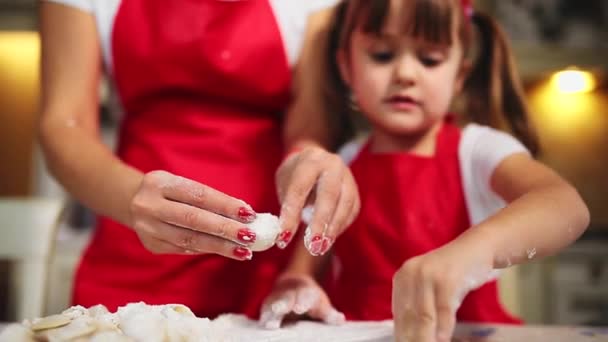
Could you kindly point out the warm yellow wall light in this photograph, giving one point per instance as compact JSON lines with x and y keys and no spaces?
{"x":572,"y":81}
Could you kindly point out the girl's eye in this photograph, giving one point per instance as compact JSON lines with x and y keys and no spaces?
{"x":430,"y":60}
{"x":382,"y":56}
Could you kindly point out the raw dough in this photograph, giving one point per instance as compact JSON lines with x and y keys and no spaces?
{"x":266,"y":227}
{"x":176,"y":323}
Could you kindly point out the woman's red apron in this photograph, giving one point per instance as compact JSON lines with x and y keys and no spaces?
{"x":202,"y":84}
{"x":410,"y":205}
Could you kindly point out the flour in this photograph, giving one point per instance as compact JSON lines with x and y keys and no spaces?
{"x":132,"y":322}
{"x":266,"y":228}
{"x":176,"y":323}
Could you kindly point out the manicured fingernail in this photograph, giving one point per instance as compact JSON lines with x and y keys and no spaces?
{"x":246,"y":235}
{"x":242,"y":253}
{"x":247,"y":214}
{"x":326,"y":245}
{"x":284,"y":238}
{"x":316,"y":245}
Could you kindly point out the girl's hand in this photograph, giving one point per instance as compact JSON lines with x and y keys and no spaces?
{"x":172,"y":214}
{"x":301,"y":295}
{"x":428,"y":290}
{"x":319,"y":177}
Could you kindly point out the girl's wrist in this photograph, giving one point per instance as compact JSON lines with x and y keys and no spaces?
{"x":481,"y":241}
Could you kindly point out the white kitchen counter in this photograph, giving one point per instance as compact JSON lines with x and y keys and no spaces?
{"x":382,"y":332}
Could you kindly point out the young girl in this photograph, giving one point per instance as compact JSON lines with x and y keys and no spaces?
{"x":441,"y":207}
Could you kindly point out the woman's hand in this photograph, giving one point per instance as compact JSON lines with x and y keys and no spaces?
{"x":299,"y":294}
{"x":172,"y":214}
{"x":429,"y":289}
{"x":313,"y":175}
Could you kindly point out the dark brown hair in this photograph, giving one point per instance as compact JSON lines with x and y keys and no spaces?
{"x":492,"y":94}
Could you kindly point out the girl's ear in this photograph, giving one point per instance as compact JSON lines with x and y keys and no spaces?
{"x":462,"y":75}
{"x":344,"y":66}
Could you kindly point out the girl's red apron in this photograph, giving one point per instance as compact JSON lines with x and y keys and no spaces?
{"x":410,"y":205}
{"x":202,"y":84}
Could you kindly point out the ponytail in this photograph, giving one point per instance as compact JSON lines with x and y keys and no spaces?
{"x":495,"y":96}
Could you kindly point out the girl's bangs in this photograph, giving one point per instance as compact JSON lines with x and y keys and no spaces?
{"x":428,"y":20}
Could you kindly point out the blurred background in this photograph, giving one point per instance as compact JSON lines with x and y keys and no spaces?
{"x":562,"y":53}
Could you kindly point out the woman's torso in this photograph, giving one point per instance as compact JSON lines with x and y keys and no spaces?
{"x":202,"y":85}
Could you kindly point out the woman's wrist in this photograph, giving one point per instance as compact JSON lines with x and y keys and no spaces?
{"x":300,"y":145}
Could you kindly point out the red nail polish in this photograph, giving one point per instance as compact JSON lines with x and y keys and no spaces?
{"x":246,"y":214}
{"x":316,"y":248}
{"x":285,"y":236}
{"x":242,"y":253}
{"x":326,"y":245}
{"x":246,"y":235}
{"x":316,"y":245}
{"x":283,"y":239}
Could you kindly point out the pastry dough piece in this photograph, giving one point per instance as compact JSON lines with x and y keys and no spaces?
{"x":266,"y":227}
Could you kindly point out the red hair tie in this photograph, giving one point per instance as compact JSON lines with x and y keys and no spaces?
{"x":467,"y":7}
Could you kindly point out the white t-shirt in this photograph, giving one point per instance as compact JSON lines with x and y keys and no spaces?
{"x":291,"y":16}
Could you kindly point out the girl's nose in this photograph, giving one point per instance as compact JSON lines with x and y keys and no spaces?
{"x":406,"y":70}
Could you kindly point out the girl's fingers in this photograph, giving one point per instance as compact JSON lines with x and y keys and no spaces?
{"x":403,"y":306}
{"x":199,"y":195}
{"x":425,"y":320}
{"x":190,"y":240}
{"x":446,"y":311}
{"x":201,"y":221}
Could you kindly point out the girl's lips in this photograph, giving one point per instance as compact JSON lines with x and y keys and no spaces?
{"x":402,"y":103}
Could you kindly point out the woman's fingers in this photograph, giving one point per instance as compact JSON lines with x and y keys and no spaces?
{"x":320,"y":177}
{"x":324,"y":311}
{"x":198,"y":220}
{"x":343,"y":215}
{"x":187,"y":191}
{"x":160,"y":236}
{"x":157,"y":246}
{"x":296,"y":194}
{"x":328,"y":194}
{"x":306,"y":299}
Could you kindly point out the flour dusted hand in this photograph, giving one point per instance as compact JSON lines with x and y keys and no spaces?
{"x":301,"y":295}
{"x":317,"y":177}
{"x":176,"y":215}
{"x":429,"y":289}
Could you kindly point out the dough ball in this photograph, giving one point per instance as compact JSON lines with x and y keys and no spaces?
{"x":266,"y":227}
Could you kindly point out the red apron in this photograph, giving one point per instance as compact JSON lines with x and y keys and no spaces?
{"x":410,"y":205}
{"x":202,"y":83}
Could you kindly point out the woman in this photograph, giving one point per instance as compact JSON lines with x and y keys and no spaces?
{"x":202,"y":85}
